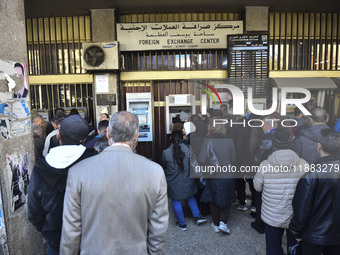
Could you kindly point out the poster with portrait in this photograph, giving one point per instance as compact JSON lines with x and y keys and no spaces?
{"x":5,"y":109}
{"x":21,"y":74}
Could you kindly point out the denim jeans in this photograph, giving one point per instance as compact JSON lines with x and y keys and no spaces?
{"x":274,"y":240}
{"x":178,"y":210}
{"x":51,"y":251}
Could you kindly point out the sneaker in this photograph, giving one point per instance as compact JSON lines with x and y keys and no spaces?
{"x":224,"y":227}
{"x":242,"y":208}
{"x":215,"y":228}
{"x":200,"y":220}
{"x":181,"y":227}
{"x":253,"y":209}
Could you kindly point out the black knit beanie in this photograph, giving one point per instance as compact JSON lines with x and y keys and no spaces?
{"x":282,"y":139}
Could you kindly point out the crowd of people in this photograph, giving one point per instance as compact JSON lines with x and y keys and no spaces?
{"x":286,"y":191}
{"x":87,"y":177}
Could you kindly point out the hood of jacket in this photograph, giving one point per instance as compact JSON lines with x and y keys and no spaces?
{"x":284,"y":158}
{"x":63,"y":156}
{"x":313,"y":132}
{"x":54,"y":168}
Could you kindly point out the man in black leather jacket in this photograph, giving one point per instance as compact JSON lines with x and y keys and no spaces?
{"x":316,"y":203}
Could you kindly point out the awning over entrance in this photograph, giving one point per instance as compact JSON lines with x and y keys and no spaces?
{"x":337,"y":82}
{"x":321,"y":83}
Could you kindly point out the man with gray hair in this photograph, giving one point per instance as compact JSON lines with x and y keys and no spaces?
{"x":116,"y":202}
{"x":306,"y":142}
{"x":38,"y":133}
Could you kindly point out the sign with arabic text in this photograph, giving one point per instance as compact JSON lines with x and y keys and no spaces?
{"x":176,"y":35}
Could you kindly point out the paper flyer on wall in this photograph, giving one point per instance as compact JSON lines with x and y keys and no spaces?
{"x":17,"y":172}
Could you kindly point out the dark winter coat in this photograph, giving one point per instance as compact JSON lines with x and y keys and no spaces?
{"x":305,"y":144}
{"x":316,"y":204}
{"x":265,"y":148}
{"x":299,"y":127}
{"x":180,"y":185}
{"x":241,"y":137}
{"x":38,"y":147}
{"x":196,"y":143}
{"x":220,"y":191}
{"x":46,"y":197}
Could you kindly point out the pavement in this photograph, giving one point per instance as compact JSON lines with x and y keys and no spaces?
{"x":242,"y":240}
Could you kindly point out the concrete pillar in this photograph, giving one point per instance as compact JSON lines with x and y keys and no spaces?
{"x":104,"y":30}
{"x":103,"y":25}
{"x":17,"y":235}
{"x":256,"y":18}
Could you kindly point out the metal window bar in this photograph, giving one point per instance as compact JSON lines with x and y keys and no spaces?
{"x":51,"y":96}
{"x":54,"y":44}
{"x":205,"y":15}
{"x":304,"y":41}
{"x":174,"y":60}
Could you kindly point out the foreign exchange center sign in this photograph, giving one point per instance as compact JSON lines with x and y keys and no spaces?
{"x":176,"y":35}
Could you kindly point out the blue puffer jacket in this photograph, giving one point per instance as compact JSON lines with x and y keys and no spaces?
{"x":305,"y":144}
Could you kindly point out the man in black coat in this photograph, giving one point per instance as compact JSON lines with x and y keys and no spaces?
{"x":48,"y":181}
{"x":316,"y":203}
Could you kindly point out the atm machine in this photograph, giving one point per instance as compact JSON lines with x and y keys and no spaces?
{"x":223,"y":96}
{"x":174,"y":104}
{"x":140,"y":105}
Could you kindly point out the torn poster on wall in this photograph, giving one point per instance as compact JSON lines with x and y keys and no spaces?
{"x":4,"y":129}
{"x":17,"y":172}
{"x":5,"y":109}
{"x":19,"y":128}
{"x":20,"y":109}
{"x":16,"y":77}
{"x":16,"y":118}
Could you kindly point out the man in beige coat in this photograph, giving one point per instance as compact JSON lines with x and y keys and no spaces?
{"x":116,"y":202}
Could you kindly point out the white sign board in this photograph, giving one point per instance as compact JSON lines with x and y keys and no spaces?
{"x":181,"y":99}
{"x":176,"y":35}
{"x":102,"y":83}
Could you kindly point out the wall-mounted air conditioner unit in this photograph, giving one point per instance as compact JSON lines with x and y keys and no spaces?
{"x":100,"y":56}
